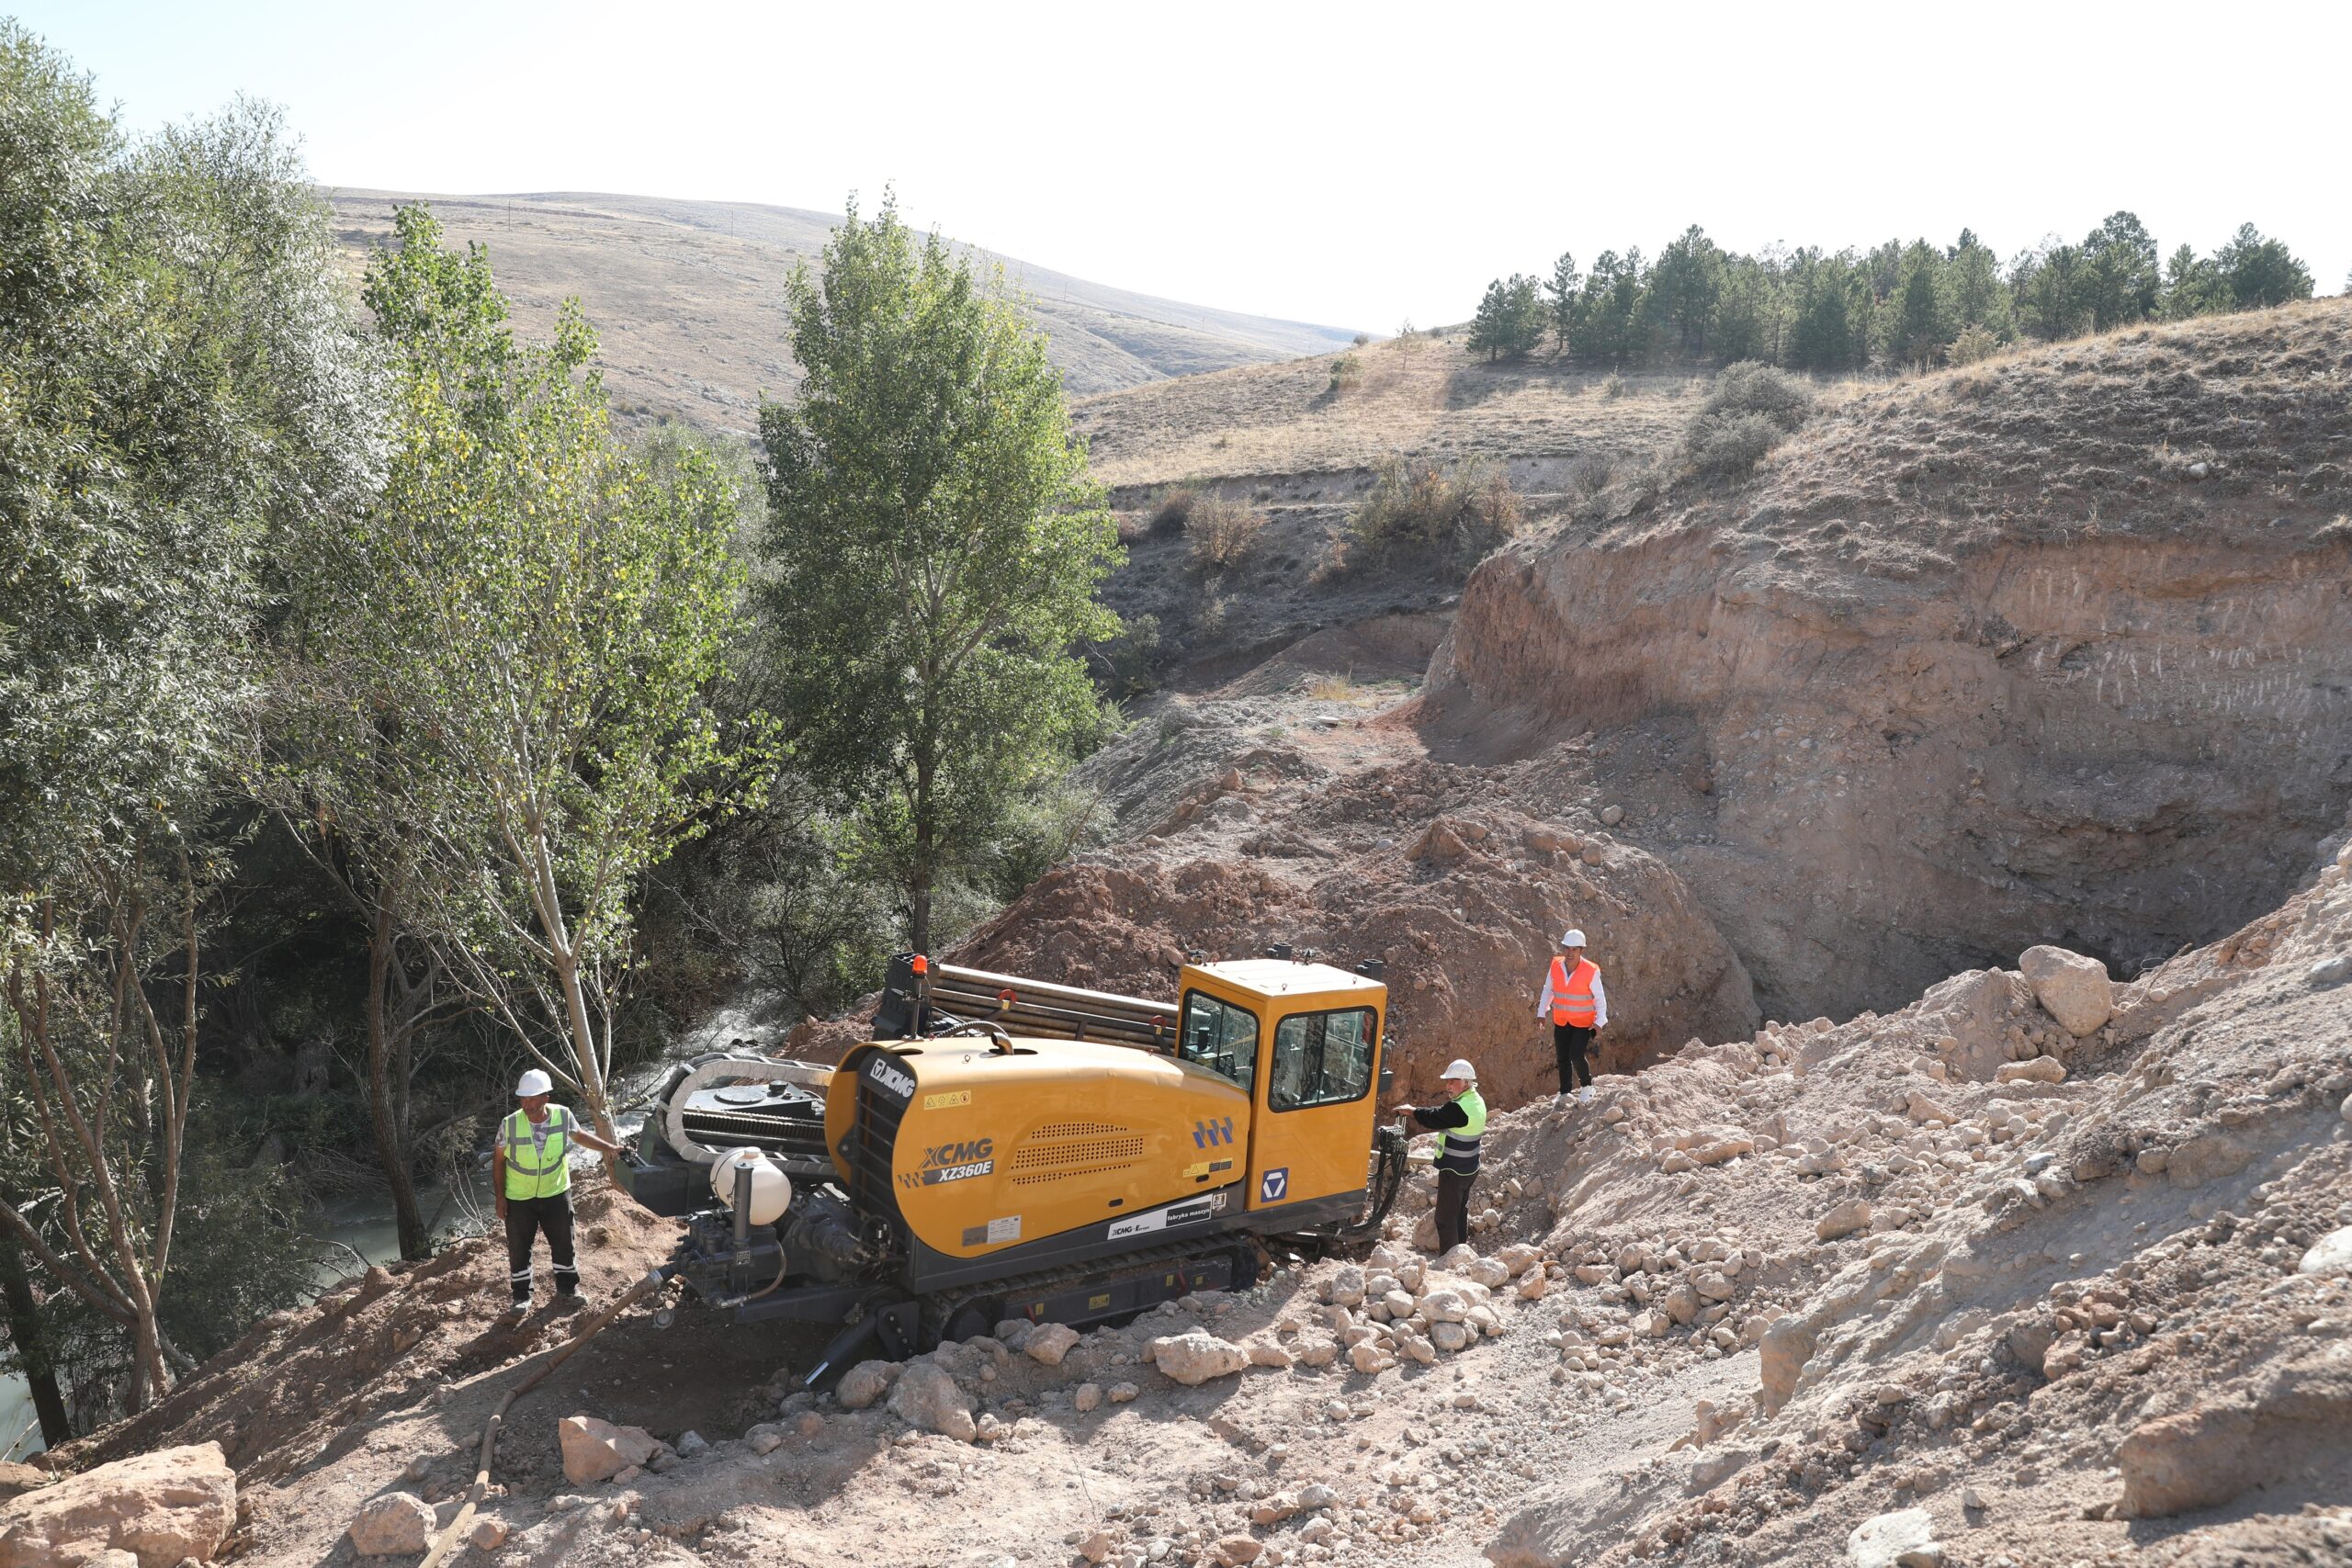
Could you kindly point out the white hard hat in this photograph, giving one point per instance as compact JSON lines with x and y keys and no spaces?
{"x":1461,"y":1069}
{"x":533,"y":1082}
{"x":1572,"y":938}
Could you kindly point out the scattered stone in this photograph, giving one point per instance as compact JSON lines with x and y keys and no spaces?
{"x":174,"y":1502}
{"x":2332,"y":971}
{"x":489,"y":1534}
{"x":1194,"y":1359}
{"x":2071,"y":988}
{"x":1880,"y":1543}
{"x":1611,"y":815}
{"x":1049,"y":1342}
{"x":1087,"y":1398}
{"x":391,"y":1526}
{"x":692,"y":1443}
{"x":2332,"y":1254}
{"x":1235,"y":1550}
{"x":2036,"y":1069}
{"x":763,"y":1440}
{"x":1123,"y":1393}
{"x":926,"y":1396}
{"x":1853,"y":1215}
{"x":863,"y":1384}
{"x":595,"y":1449}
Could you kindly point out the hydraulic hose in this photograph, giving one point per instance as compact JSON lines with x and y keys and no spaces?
{"x":450,"y":1539}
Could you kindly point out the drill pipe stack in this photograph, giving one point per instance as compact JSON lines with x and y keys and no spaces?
{"x":1025,"y":1006}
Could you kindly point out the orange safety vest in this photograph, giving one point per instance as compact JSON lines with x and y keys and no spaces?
{"x":1572,"y":994}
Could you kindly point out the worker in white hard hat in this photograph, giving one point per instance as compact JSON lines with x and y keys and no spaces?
{"x":531,"y":1172}
{"x":1459,"y":1119}
{"x":1577,"y":1004}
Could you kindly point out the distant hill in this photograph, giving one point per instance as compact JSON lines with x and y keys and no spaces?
{"x":687,"y":297}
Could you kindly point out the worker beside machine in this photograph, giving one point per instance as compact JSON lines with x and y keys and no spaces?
{"x":1577,"y":1005}
{"x":1460,"y":1121}
{"x":531,"y":1171}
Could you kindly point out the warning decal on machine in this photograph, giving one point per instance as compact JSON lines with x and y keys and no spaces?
{"x":947,"y":1101}
{"x":1182,"y":1213}
{"x":1005,"y":1229}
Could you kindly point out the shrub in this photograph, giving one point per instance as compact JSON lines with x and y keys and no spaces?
{"x":1365,"y":339}
{"x":1589,"y":474}
{"x":1748,"y":388}
{"x":1751,"y":409}
{"x":1174,"y":512}
{"x":1346,"y":371}
{"x":1729,"y":445}
{"x":1973,"y":344}
{"x":1223,"y":532}
{"x":1614,"y":388}
{"x":1415,"y":504}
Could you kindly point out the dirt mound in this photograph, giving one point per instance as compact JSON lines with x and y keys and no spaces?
{"x":1333,"y":842}
{"x":2058,"y":649}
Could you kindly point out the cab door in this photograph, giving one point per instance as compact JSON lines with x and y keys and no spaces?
{"x":1316,"y":1107}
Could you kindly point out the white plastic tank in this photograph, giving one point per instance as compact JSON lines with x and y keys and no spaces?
{"x":771,"y":1188}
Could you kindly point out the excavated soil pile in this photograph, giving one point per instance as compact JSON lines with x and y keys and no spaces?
{"x":2038,"y":1269}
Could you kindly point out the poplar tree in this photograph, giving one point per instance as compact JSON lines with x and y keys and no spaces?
{"x":933,"y":545}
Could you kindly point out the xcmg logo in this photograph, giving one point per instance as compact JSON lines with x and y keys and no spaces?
{"x":959,"y":1154}
{"x":900,"y":1084}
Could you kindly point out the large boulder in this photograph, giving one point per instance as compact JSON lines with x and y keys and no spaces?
{"x":927,"y":1397}
{"x":2070,"y":988}
{"x":1853,"y":1215}
{"x":394,"y":1525}
{"x":1049,"y":1342}
{"x":595,"y":1449}
{"x":1194,"y":1359}
{"x":161,"y":1507}
{"x":2332,"y":1254}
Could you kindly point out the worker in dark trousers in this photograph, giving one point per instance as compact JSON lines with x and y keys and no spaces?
{"x":1577,"y":1005}
{"x":532,"y":1172}
{"x":1459,"y":1120}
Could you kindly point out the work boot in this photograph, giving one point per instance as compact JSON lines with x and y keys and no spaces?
{"x":568,"y":1301}
{"x":514,"y":1315}
{"x":1584,"y":1095}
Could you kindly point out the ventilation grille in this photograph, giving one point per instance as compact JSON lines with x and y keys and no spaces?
{"x":1062,"y":1149}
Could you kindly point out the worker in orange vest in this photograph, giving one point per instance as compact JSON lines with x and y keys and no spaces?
{"x":1577,"y":1005}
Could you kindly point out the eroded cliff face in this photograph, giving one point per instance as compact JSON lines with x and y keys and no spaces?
{"x":2032,"y":655}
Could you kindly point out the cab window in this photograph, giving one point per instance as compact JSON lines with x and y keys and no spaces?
{"x":1323,"y":1058}
{"x":1221,"y":1037}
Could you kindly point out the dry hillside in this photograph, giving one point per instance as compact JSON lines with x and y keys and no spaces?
{"x":687,"y":297}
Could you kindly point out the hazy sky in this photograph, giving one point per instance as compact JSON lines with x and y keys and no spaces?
{"x":1341,"y":164}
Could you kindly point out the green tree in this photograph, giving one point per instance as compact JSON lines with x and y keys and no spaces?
{"x":2121,"y":279}
{"x":1562,"y":286}
{"x":1917,"y":325}
{"x":933,"y":546}
{"x":2048,"y":284}
{"x":1611,"y":323}
{"x":2261,"y":272}
{"x":2193,"y":287}
{"x":526,"y":631}
{"x":1684,"y":286}
{"x":1830,"y":326}
{"x":1490,"y":324}
{"x":1977,"y":297}
{"x":180,"y":389}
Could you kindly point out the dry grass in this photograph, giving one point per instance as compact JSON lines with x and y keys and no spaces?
{"x":1420,"y":396}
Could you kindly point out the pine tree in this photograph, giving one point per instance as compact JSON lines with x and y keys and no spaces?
{"x":1489,"y":329}
{"x":1563,"y":290}
{"x":2261,"y":272}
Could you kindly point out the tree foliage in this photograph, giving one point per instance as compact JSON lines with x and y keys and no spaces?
{"x":1896,"y":304}
{"x":933,"y":546}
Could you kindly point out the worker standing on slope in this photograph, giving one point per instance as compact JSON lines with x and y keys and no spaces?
{"x":532,"y":1168}
{"x":1579,"y":1005}
{"x":1460,"y":1119}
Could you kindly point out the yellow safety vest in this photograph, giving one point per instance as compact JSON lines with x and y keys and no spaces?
{"x":528,"y":1176}
{"x":1457,"y":1147}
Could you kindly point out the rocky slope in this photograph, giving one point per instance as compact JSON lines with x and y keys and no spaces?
{"x":2054,"y":649}
{"x":2035,"y":1270}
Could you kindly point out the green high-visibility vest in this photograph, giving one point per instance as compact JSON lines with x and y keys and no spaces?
{"x":529,"y":1174}
{"x":1457,"y":1147}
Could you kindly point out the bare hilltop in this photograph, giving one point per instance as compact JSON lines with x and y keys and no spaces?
{"x":688,"y":298}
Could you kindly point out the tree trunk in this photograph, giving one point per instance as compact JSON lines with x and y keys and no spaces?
{"x":23,"y":1317}
{"x":392,"y":1150}
{"x":923,"y":874}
